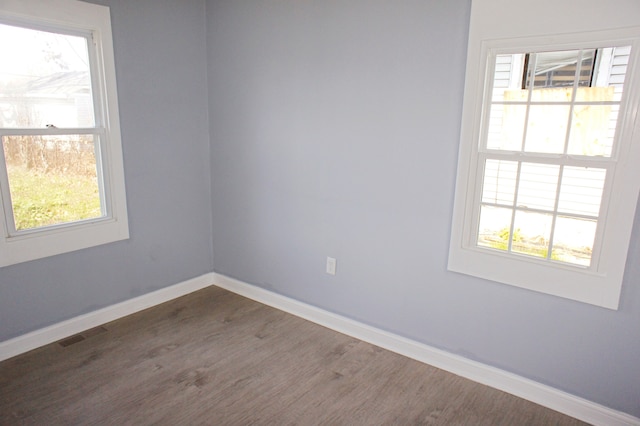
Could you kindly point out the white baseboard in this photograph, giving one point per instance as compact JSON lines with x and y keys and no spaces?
{"x":44,"y":336}
{"x":544,"y":395}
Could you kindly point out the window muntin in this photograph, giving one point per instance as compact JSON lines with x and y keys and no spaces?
{"x":547,"y":151}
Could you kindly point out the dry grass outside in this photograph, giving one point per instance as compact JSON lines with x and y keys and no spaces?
{"x":52,"y":180}
{"x":44,"y":199}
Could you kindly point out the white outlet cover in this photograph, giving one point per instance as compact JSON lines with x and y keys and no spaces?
{"x":331,"y":266}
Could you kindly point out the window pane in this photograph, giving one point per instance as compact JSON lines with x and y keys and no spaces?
{"x":52,"y":179}
{"x":538,"y":186}
{"x":573,"y":240}
{"x":493,"y":230}
{"x":592,"y":130}
{"x":507,"y":76}
{"x":554,"y":69}
{"x":531,"y":233}
{"x":581,"y":190}
{"x":558,"y":69}
{"x":506,"y":127}
{"x":499,"y":183}
{"x":547,"y":128}
{"x":44,"y":80}
{"x":609,"y":72}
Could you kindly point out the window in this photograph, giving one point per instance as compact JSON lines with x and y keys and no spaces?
{"x":547,"y":151}
{"x":61,"y":171}
{"x":547,"y":176}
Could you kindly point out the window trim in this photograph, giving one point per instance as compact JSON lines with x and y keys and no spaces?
{"x":600,"y":286}
{"x":77,"y":18}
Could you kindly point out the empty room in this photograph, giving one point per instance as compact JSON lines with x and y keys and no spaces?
{"x":320,"y":212}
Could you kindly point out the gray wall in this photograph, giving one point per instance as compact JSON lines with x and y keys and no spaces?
{"x":161,"y":72}
{"x":334,"y":131}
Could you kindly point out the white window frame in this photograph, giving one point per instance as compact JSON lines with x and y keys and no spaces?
{"x":497,"y":26}
{"x":72,"y":16}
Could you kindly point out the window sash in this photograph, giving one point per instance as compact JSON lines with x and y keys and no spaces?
{"x":96,"y":72}
{"x":6,"y":202}
{"x":488,"y":101}
{"x":608,"y":165}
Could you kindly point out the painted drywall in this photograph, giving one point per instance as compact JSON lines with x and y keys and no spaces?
{"x":334,"y":132}
{"x":161,"y":72}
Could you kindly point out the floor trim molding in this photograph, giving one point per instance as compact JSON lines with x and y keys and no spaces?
{"x":544,"y":395}
{"x":547,"y":396}
{"x":44,"y":336}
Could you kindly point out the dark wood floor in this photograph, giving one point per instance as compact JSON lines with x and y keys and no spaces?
{"x":216,"y":358}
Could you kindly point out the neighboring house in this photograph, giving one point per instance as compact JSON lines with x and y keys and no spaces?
{"x":610,"y":63}
{"x":62,"y":99}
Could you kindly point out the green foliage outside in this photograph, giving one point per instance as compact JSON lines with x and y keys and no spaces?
{"x":520,"y":245}
{"x":47,"y":199}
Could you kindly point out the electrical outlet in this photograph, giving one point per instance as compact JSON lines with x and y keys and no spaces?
{"x":331,"y":266}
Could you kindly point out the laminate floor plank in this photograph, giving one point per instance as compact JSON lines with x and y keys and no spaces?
{"x":215,"y":358}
